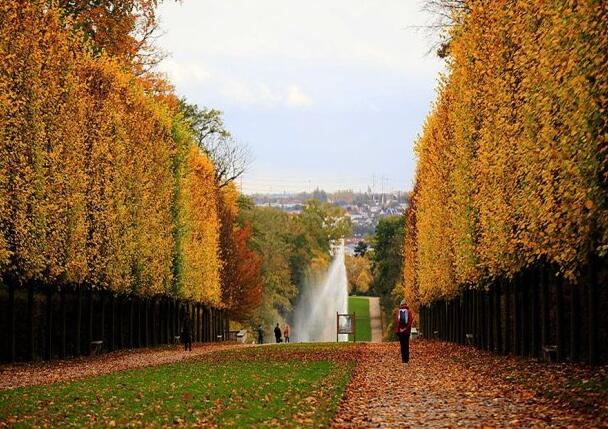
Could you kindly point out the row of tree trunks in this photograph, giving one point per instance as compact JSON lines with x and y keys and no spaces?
{"x":47,"y":322}
{"x":528,"y":315}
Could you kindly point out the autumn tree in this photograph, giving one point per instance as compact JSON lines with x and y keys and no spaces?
{"x":387,"y":259}
{"x":361,"y":248}
{"x":270,"y":227}
{"x":125,"y":29}
{"x":241,"y":279}
{"x":92,"y":167}
{"x":230,"y":157}
{"x":358,"y":272}
{"x":510,"y":191}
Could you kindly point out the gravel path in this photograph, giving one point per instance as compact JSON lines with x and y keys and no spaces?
{"x":436,"y":390}
{"x":375,"y":319}
{"x":27,"y":374}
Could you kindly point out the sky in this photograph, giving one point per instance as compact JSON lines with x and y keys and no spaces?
{"x":328,"y":94}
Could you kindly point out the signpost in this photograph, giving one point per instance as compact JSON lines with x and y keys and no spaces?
{"x":346,"y":324}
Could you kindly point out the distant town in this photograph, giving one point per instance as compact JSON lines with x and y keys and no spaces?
{"x":365,"y":209}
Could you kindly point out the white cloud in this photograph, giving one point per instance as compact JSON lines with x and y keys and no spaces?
{"x":181,"y":73}
{"x":236,"y":89}
{"x":248,"y":94}
{"x":375,"y":34}
{"x":296,"y":97}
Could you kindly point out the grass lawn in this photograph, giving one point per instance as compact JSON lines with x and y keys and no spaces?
{"x":360,"y":306}
{"x":259,"y":387}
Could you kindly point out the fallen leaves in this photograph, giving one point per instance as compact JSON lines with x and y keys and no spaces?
{"x":30,"y":374}
{"x":447,"y":385}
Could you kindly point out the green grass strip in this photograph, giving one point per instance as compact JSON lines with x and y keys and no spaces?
{"x":288,"y":393}
{"x":360,"y":306}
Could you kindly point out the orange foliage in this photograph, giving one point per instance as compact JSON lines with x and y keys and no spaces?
{"x":241,"y":270}
{"x":122,"y":29}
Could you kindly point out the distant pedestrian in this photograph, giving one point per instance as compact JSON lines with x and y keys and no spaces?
{"x":286,"y":333}
{"x":187,"y":332}
{"x":403,"y":327}
{"x":260,"y":334}
{"x":277,"y":333}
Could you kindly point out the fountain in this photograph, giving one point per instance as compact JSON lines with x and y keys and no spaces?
{"x":315,"y":314}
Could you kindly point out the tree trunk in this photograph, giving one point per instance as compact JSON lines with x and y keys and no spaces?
{"x":161,"y":321}
{"x":147,"y":321}
{"x":545,"y":332}
{"x":592,"y":298}
{"x":78,"y":339}
{"x":498,"y":347}
{"x":198,"y":323}
{"x":102,"y":323}
{"x":519,"y":315}
{"x":139,"y":322}
{"x":559,"y":317}
{"x":508,"y":316}
{"x":522,"y":286}
{"x":30,"y":319}
{"x":489,"y":329}
{"x":120,"y":320}
{"x":131,"y":316}
{"x":113,"y":322}
{"x":49,"y":322}
{"x":534,"y":313}
{"x":90,"y":318}
{"x":63,"y":323}
{"x":478,"y":319}
{"x":573,"y":321}
{"x":11,"y":321}
{"x":154,"y":321}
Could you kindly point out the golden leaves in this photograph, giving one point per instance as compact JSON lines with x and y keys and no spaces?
{"x":512,"y":160}
{"x":198,"y":218}
{"x":90,"y":170}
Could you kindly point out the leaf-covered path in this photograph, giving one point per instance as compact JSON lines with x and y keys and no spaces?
{"x":447,"y":385}
{"x":29,"y":374}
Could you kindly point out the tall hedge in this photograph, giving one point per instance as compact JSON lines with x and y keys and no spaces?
{"x":512,"y":162}
{"x":96,"y":184}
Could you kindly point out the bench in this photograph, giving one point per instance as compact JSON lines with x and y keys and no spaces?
{"x":241,"y":336}
{"x":468,"y":339}
{"x":435,"y":334}
{"x":96,"y":347}
{"x":549,"y":350}
{"x":176,"y":339}
{"x":220,"y":337}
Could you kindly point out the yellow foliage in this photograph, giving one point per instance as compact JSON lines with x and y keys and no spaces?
{"x":199,"y":219}
{"x":409,"y":286}
{"x":358,"y":271}
{"x":512,"y":160}
{"x":96,"y":185}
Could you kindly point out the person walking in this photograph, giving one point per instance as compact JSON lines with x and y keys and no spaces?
{"x":286,"y":333}
{"x":277,"y":333}
{"x":187,"y":332}
{"x":403,"y":327}
{"x":260,"y":334}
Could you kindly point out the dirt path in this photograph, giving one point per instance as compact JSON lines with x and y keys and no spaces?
{"x":375,"y":320}
{"x":440,"y":389}
{"x":27,"y":374}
